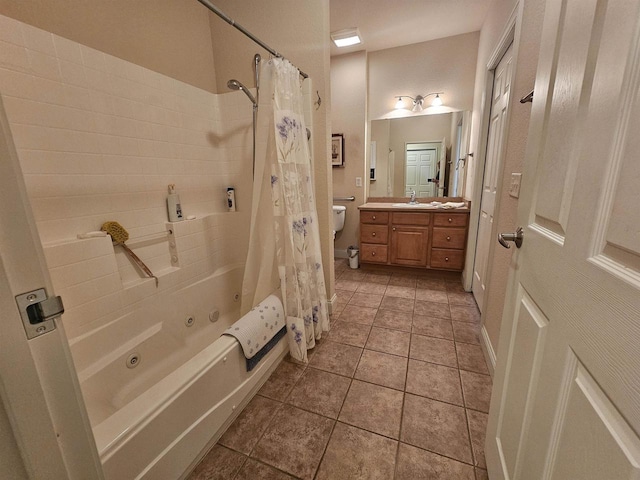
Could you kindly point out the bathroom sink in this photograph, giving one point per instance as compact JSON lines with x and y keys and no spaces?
{"x":413,"y":205}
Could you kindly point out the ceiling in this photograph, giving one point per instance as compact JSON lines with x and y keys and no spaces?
{"x":393,"y":23}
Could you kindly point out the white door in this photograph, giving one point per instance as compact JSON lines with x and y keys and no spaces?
{"x":566,"y":398}
{"x":38,"y":387}
{"x":495,"y":152}
{"x":420,"y":170}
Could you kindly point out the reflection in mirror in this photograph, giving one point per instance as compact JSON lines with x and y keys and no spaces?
{"x":418,"y":153}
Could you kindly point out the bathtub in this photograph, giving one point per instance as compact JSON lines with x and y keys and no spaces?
{"x":164,"y":384}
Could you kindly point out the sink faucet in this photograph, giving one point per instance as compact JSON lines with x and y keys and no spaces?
{"x":412,"y":200}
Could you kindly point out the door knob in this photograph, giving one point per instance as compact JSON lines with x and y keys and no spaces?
{"x":516,"y":238}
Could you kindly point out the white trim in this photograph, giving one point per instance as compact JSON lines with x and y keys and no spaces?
{"x":487,"y":350}
{"x":332,"y":303}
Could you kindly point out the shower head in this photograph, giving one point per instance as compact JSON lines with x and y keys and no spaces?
{"x":236,"y":85}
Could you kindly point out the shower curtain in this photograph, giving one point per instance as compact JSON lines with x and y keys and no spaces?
{"x":284,"y":243}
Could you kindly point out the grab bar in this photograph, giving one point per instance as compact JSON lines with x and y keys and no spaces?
{"x":344,"y":199}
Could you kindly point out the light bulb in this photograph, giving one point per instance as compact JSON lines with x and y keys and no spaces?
{"x":436,"y":101}
{"x":399,"y":104}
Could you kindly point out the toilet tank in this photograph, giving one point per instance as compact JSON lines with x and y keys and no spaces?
{"x":339,"y":212}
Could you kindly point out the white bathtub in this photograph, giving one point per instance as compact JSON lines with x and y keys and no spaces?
{"x":155,"y":421}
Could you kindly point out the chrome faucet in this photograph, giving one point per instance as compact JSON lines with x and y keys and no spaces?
{"x":412,"y":200}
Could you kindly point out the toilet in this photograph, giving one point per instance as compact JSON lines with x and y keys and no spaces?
{"x":339,"y":212}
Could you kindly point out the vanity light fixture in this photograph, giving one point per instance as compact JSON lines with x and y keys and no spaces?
{"x":419,"y":101}
{"x":346,"y":37}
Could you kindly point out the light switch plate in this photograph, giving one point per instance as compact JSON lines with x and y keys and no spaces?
{"x":358,"y":181}
{"x":514,"y":187}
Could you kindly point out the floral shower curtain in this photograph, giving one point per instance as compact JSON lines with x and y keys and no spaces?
{"x":284,"y":231}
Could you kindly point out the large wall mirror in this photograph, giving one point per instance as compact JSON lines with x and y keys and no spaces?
{"x":424,"y":153}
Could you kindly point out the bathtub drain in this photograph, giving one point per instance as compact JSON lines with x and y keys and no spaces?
{"x":133,"y":360}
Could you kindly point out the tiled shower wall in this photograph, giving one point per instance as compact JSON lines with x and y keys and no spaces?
{"x":100,"y":139}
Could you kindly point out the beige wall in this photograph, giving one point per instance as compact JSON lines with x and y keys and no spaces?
{"x":171,"y":37}
{"x":10,"y":461}
{"x":445,"y":65}
{"x":506,"y":221}
{"x":299,"y":30}
{"x":348,"y":107}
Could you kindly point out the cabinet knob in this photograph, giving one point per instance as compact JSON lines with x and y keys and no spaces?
{"x":450,"y":219}
{"x":373,"y":234}
{"x":373,"y":254}
{"x":394,"y":229}
{"x":446,"y":259}
{"x":374,"y":217}
{"x":448,"y":239}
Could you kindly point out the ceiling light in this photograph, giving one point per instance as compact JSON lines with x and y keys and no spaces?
{"x":346,"y":38}
{"x":418,"y":102}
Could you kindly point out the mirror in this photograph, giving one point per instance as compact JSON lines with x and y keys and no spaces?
{"x":421,"y":153}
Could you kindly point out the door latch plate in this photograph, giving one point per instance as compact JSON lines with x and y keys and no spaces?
{"x":38,"y":312}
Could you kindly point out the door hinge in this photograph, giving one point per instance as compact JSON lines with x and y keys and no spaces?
{"x":38,"y":312}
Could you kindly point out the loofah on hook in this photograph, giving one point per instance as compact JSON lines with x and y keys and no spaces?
{"x":116,"y":231}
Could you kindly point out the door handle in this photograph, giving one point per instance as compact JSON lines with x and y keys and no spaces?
{"x":516,"y":238}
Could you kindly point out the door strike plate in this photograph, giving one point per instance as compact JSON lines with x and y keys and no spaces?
{"x":38,"y":312}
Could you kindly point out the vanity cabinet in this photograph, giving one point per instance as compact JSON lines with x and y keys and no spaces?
{"x":416,"y":239}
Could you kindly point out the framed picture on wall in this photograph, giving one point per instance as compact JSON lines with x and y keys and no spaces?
{"x":337,"y":150}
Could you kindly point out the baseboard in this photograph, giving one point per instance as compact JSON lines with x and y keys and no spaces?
{"x":487,"y":349}
{"x":332,"y":303}
{"x":340,"y":253}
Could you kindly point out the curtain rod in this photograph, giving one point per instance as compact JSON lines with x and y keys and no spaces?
{"x":233,"y":23}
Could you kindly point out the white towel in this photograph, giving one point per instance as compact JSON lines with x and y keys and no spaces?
{"x":258,"y":326}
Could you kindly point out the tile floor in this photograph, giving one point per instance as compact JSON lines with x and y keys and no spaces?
{"x":398,"y":389}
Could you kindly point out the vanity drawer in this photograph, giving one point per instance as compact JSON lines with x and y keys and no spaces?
{"x":449,"y":259}
{"x":373,"y":253}
{"x":374,"y":234}
{"x":450,"y":219}
{"x":374,"y":217}
{"x":449,"y":237}
{"x":410,"y":218}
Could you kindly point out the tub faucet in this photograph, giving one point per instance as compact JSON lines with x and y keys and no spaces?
{"x":412,"y":200}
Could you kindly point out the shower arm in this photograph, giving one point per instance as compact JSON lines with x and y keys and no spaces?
{"x":233,"y":23}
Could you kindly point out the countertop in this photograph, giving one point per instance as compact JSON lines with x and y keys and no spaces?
{"x":421,"y":207}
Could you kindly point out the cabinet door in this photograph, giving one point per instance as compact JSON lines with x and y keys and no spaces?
{"x":409,"y":246}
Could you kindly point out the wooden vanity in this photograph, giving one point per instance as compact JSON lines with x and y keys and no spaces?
{"x":413,"y":236}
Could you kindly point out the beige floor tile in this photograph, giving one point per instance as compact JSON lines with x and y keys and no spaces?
{"x":434,"y":381}
{"x":349,"y":285}
{"x":462,"y":313}
{"x":431,"y":284}
{"x":417,"y":464}
{"x":432,"y":326}
{"x":400,"y":292}
{"x":371,"y":288}
{"x":466,"y":332}
{"x":402,"y":280}
{"x":436,"y":426}
{"x":432,"y":309}
{"x":356,"y":314}
{"x":456,"y":298}
{"x":245,"y":431}
{"x":470,"y":357}
{"x":398,"y":304}
{"x":393,"y":319}
{"x":454,"y":287}
{"x":349,"y":333}
{"x":220,"y":463}
{"x":386,"y":340}
{"x":336,"y":358}
{"x":377,"y":277}
{"x":294,"y":442}
{"x":436,"y":296}
{"x":355,"y":454}
{"x":365,"y":300}
{"x":374,"y":408}
{"x":382,"y":369}
{"x":478,"y":431}
{"x":282,"y":380}
{"x":320,"y":392}
{"x":253,"y":470}
{"x":481,"y":474}
{"x":477,"y":390}
{"x":353,"y":275}
{"x":433,"y":350}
